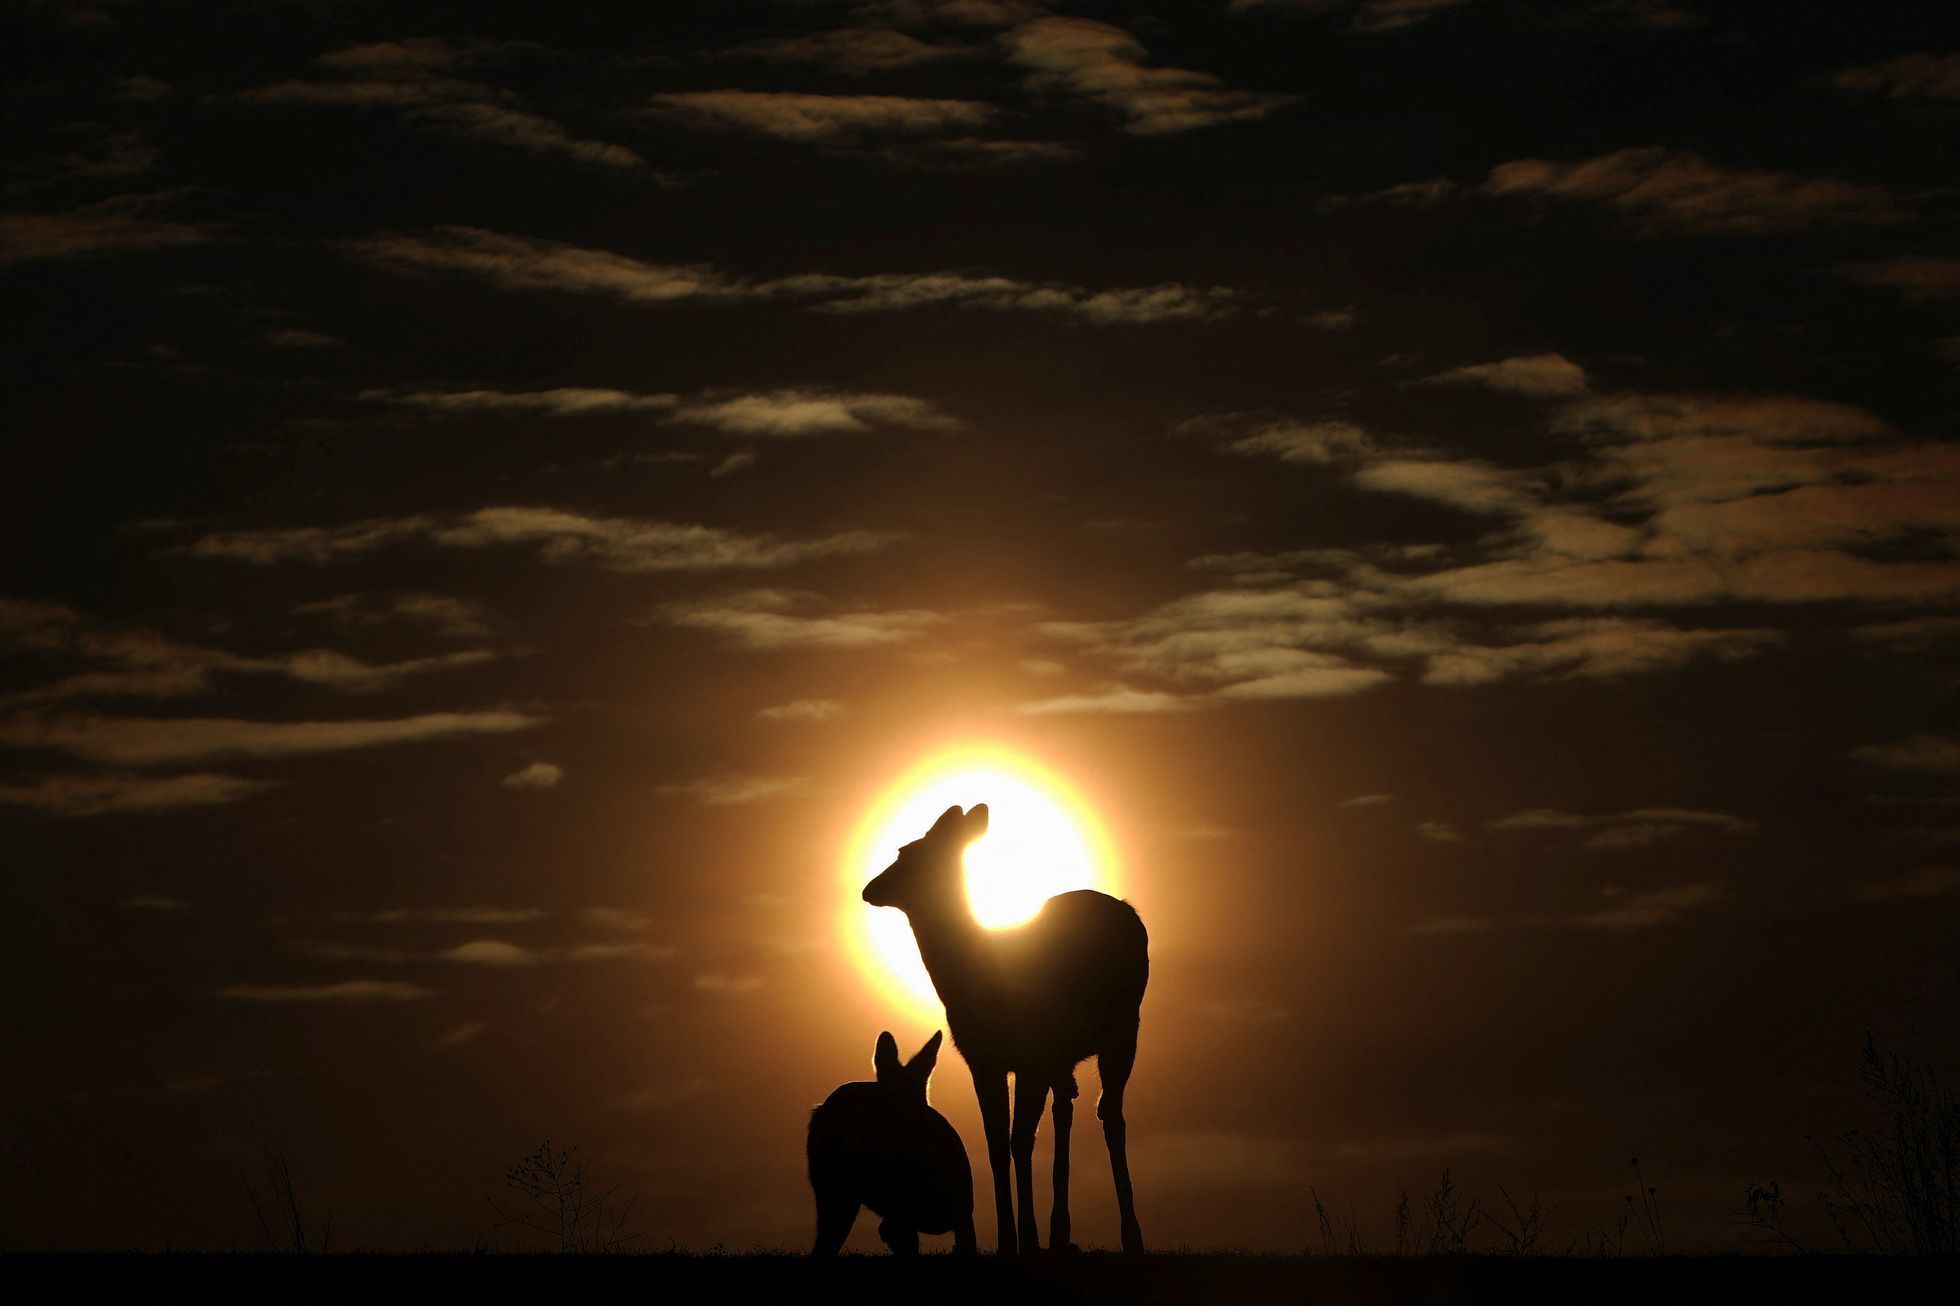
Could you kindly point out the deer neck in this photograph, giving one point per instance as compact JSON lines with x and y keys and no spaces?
{"x":957,"y":952}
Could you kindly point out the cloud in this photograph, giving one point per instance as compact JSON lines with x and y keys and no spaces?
{"x":497,"y":125}
{"x":1439,"y":832}
{"x":1529,"y":374}
{"x":621,"y":544}
{"x":1472,"y":486}
{"x":467,"y":1032}
{"x":856,"y":51}
{"x":442,"y":613}
{"x":728,"y":984}
{"x":489,"y":952}
{"x":347,"y":992}
{"x":1118,"y":700}
{"x":735,"y":790}
{"x":1618,"y":910}
{"x":134,"y":661}
{"x":99,"y":795}
{"x":1365,"y":800}
{"x":154,"y":902}
{"x":802,"y":709}
{"x":794,"y":413}
{"x":121,"y":224}
{"x":1639,"y":828}
{"x":1918,"y":75}
{"x":768,"y":620}
{"x":519,"y":263}
{"x":796,"y":116}
{"x":1929,"y":754}
{"x":416,"y":79}
{"x":538,"y":775}
{"x":129,"y":741}
{"x":1928,"y":882}
{"x":442,"y":916}
{"x":1106,"y":65}
{"x":565,"y":401}
{"x":1595,"y":649}
{"x":1639,"y":911}
{"x":1914,"y":276}
{"x":1397,"y":15}
{"x":1680,"y":193}
{"x":1311,"y":443}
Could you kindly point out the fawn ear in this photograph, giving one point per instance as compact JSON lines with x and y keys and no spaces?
{"x":928,"y":1057}
{"x":885,"y":1059}
{"x":949,"y":820}
{"x":976,"y":821}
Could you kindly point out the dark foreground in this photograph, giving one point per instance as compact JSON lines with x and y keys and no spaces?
{"x":1089,"y":1278}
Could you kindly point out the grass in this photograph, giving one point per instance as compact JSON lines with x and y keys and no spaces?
{"x":1088,"y":1277}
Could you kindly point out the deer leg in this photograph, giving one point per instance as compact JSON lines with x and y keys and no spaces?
{"x":1030,"y":1098}
{"x":963,"y":1237}
{"x":991,"y":1088}
{"x":1115,"y":1063}
{"x":902,"y":1241}
{"x":1058,"y":1231}
{"x":835,"y":1216}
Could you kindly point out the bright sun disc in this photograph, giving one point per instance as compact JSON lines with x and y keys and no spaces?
{"x":1041,"y":840}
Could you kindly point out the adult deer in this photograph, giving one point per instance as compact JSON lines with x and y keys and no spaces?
{"x":1032,"y":1001}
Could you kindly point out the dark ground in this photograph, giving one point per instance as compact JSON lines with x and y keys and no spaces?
{"x":1177,"y":1277}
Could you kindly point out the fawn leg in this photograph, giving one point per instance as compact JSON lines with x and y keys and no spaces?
{"x":903,"y":1242}
{"x":835,"y":1216}
{"x":1058,"y":1231}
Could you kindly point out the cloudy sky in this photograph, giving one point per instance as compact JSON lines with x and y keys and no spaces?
{"x":1465,"y":490}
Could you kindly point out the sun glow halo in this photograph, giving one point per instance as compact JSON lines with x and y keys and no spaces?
{"x":1041,"y":840}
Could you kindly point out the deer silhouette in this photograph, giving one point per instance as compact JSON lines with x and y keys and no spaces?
{"x":881,"y":1145}
{"x":1033,"y":1001}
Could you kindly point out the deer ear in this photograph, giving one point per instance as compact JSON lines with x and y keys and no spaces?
{"x":976,"y":821}
{"x":885,"y":1059}
{"x":928,"y":1057}
{"x":948,"y":820}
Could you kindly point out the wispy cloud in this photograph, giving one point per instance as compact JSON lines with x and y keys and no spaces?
{"x":735,"y":790}
{"x":134,"y":741}
{"x":418,"y":80}
{"x":802,"y":709}
{"x":1927,"y":753}
{"x":1927,"y":882}
{"x":796,"y":413}
{"x":1680,"y":193}
{"x":803,"y":117}
{"x":1641,"y":827}
{"x":538,"y":775}
{"x":1528,"y":374}
{"x":1106,"y":65}
{"x":1915,"y":277}
{"x":777,"y":619}
{"x":122,"y":224}
{"x":1918,"y":75}
{"x":100,"y":795}
{"x":521,"y":263}
{"x":346,"y":992}
{"x":622,"y":544}
{"x":857,"y":51}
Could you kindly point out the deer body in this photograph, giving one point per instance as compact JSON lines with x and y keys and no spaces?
{"x":1032,"y":1001}
{"x":880,"y":1144}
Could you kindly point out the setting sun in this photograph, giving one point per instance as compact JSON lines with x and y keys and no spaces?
{"x":1042,"y":840}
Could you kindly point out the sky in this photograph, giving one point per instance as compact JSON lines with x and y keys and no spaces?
{"x":1463,"y":491}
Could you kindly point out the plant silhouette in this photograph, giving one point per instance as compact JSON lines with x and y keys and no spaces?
{"x":1031,"y":1001}
{"x":881,"y":1145}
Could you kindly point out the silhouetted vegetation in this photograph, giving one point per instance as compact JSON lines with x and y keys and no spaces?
{"x":277,"y":1211}
{"x":1896,"y":1190}
{"x":562,"y":1203}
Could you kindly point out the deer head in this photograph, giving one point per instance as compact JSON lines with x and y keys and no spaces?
{"x":908,"y":1078}
{"x":929,"y":875}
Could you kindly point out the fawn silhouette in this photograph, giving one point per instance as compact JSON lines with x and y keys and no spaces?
{"x":1033,"y":1001}
{"x":881,"y":1145}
